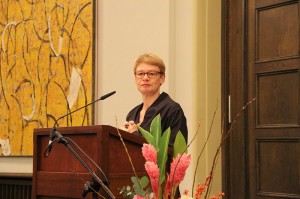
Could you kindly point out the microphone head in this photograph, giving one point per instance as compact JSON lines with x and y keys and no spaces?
{"x":107,"y":95}
{"x":53,"y":133}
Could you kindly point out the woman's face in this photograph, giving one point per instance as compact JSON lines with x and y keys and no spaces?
{"x":148,"y":79}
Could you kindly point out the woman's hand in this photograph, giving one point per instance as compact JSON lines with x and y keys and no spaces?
{"x":130,"y":126}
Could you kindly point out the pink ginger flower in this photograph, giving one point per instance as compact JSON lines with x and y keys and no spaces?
{"x":179,"y":167}
{"x":149,"y":153}
{"x":153,"y":172}
{"x":138,"y":197}
{"x":167,"y":189}
{"x":143,"y":197}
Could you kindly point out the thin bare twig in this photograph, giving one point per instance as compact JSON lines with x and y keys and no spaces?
{"x":129,"y":157}
{"x":223,"y":140}
{"x":209,"y":133}
{"x":236,"y":119}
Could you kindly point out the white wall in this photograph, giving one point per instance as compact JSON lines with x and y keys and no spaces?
{"x":207,"y":85}
{"x":15,"y":164}
{"x":186,"y":34}
{"x":127,"y":29}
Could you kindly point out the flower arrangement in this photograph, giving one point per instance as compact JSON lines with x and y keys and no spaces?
{"x":164,"y":183}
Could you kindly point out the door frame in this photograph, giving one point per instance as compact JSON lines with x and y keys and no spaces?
{"x":234,"y":97}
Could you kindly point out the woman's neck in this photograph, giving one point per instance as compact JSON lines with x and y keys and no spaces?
{"x":148,"y":100}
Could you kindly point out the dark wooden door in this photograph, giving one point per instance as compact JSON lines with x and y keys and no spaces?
{"x":274,"y":79}
{"x":262,"y":158}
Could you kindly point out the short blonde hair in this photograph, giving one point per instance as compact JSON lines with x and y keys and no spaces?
{"x":152,"y":59}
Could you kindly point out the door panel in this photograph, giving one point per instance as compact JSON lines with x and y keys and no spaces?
{"x":262,"y":61}
{"x":275,"y":172}
{"x":273,"y":78}
{"x":277,"y":97}
{"x":276,"y":35}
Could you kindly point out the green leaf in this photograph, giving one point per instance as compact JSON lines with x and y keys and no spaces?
{"x":149,"y":138}
{"x":134,"y":179}
{"x":144,"y":181}
{"x":163,"y":154}
{"x":136,"y":186}
{"x":139,"y":191}
{"x":155,"y":130}
{"x":179,"y":144}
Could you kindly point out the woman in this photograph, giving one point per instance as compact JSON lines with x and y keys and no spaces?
{"x":149,"y":71}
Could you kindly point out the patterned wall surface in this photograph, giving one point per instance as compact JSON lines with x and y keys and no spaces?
{"x":46,"y":68}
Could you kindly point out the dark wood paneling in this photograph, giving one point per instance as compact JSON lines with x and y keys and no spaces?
{"x":261,"y":60}
{"x":273,"y":77}
{"x":271,"y":162}
{"x":277,"y":32}
{"x":277,"y":95}
{"x":61,"y":174}
{"x":265,"y":3}
{"x":235,"y":176}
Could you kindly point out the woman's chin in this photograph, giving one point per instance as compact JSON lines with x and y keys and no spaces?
{"x":148,"y":92}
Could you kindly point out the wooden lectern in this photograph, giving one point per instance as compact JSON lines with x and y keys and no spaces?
{"x":62,"y":175}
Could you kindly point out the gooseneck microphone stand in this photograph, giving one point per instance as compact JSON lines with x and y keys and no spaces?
{"x":61,"y":139}
{"x":55,"y":135}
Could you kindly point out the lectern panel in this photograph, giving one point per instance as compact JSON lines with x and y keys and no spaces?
{"x":62,"y":175}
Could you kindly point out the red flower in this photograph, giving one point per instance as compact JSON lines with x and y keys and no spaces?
{"x":153,"y":172}
{"x":179,"y":167}
{"x":200,"y":189}
{"x":138,"y":197}
{"x":149,"y":153}
{"x":221,"y":194}
{"x":177,"y":172}
{"x":186,"y":192}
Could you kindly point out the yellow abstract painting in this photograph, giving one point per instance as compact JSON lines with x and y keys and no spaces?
{"x":46,"y":68}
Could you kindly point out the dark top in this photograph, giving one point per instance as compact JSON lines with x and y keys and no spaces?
{"x":171,"y":114}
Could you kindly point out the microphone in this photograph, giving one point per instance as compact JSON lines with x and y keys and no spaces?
{"x":53,"y":130}
{"x":105,"y":96}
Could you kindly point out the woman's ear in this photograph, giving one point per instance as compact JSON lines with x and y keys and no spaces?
{"x":162,"y":79}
